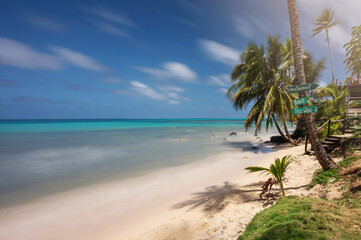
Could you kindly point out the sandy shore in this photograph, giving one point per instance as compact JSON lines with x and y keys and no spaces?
{"x":211,"y":199}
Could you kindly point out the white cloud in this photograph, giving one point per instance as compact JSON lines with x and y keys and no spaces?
{"x":45,"y":23}
{"x":220,"y":52}
{"x":222,"y":80}
{"x":145,"y":90}
{"x":110,"y":15}
{"x":77,"y":59}
{"x":17,"y":54}
{"x":172,"y":70}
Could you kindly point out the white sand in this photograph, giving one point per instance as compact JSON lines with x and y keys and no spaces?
{"x":203,"y":200}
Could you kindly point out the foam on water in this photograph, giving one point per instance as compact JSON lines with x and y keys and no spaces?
{"x":69,"y":154}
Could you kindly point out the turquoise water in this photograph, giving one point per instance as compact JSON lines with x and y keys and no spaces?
{"x":59,"y":125}
{"x":42,"y":157}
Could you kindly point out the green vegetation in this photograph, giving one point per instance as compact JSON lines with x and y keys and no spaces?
{"x":324,"y":22}
{"x":262,"y":77}
{"x":324,"y":177}
{"x":305,"y":218}
{"x":353,"y":53}
{"x":278,"y":169}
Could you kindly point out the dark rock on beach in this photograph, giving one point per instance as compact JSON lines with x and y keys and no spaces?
{"x":233,"y":134}
{"x":277,"y":139}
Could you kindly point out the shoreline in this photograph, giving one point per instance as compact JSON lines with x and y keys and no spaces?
{"x":162,"y":187}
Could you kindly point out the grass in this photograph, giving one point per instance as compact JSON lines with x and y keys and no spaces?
{"x":305,"y":218}
{"x":347,"y":161}
{"x":324,"y":177}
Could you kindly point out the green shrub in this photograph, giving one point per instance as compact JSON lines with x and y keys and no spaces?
{"x":324,"y":177}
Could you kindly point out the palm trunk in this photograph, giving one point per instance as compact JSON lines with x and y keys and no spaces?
{"x":283,"y":190}
{"x":287,"y":133}
{"x":279,"y":129}
{"x":322,"y":157}
{"x":329,"y":49}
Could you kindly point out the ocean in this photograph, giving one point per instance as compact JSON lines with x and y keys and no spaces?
{"x":43,"y":157}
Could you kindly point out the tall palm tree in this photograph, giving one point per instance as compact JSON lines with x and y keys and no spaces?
{"x":324,"y":22}
{"x":262,"y":78}
{"x":322,"y":157}
{"x":278,"y":170}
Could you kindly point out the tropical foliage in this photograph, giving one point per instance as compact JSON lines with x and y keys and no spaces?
{"x":278,"y":169}
{"x":353,"y":52}
{"x":262,"y":78}
{"x":324,"y":22}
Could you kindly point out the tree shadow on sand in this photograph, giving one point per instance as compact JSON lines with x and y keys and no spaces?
{"x":215,"y":198}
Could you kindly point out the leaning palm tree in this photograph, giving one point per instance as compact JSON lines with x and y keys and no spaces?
{"x":278,"y":170}
{"x":325,"y":161}
{"x":324,"y":22}
{"x":262,"y":78}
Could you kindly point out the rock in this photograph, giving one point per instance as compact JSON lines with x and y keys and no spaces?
{"x":277,"y":139}
{"x":233,"y":134}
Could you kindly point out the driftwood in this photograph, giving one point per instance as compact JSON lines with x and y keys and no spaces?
{"x":267,"y":186}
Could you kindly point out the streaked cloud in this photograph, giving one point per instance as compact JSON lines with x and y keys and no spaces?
{"x":191,"y":7}
{"x":47,"y":24}
{"x":220,"y":52}
{"x":171,"y":70}
{"x":145,"y":90}
{"x":110,"y":15}
{"x":77,"y":59}
{"x":186,"y":22}
{"x":137,"y":88}
{"x":17,"y":54}
{"x":249,"y":25}
{"x":222,"y":80}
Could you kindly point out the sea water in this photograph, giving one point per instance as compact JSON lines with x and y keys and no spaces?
{"x":42,"y":157}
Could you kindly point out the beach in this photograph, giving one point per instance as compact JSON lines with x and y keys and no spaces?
{"x":204,"y":194}
{"x":212,"y":199}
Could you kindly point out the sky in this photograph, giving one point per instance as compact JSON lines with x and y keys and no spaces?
{"x":142,"y":58}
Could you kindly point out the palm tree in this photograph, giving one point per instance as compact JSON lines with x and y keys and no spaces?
{"x":324,"y":22}
{"x":278,"y":170}
{"x":262,"y":78}
{"x":322,"y":157}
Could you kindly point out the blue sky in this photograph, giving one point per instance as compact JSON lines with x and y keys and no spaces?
{"x":142,"y":58}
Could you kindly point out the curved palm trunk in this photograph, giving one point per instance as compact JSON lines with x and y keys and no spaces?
{"x":288,"y":134}
{"x":322,"y":157}
{"x":329,"y":49}
{"x":279,"y":129}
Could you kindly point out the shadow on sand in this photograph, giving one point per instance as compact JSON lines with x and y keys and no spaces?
{"x":215,"y":198}
{"x":249,"y":147}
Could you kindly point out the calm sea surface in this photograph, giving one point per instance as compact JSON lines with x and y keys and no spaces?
{"x":40,"y":157}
